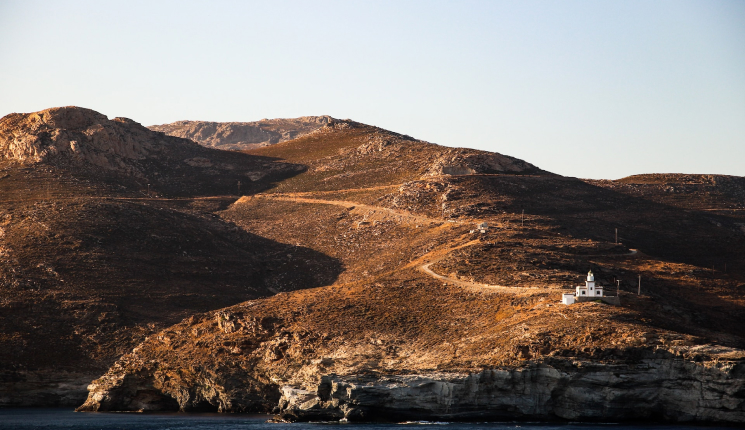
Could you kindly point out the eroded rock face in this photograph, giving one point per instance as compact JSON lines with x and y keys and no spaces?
{"x":79,"y":135}
{"x":459,"y":161}
{"x":654,"y":389}
{"x":121,"y":151}
{"x":243,"y":135}
{"x":235,"y":360}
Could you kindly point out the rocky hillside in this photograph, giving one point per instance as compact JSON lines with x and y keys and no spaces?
{"x":431,"y":319}
{"x":107,"y":233}
{"x":346,"y":278}
{"x":243,"y":135}
{"x":349,"y":155}
{"x":123,"y":153}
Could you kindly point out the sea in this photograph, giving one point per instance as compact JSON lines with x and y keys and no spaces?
{"x":23,"y":419}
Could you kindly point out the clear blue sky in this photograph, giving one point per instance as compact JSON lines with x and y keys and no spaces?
{"x":595,"y":89}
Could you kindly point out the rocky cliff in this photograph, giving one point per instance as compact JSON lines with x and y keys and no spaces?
{"x":656,"y":385}
{"x":285,"y":355}
{"x":243,"y":135}
{"x":651,"y":389}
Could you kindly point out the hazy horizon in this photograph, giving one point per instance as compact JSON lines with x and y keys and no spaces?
{"x":586,"y":89}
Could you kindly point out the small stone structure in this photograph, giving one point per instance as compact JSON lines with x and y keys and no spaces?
{"x":588,"y":292}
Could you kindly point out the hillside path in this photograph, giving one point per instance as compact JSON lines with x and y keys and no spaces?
{"x":424,"y":262}
{"x":369,"y":212}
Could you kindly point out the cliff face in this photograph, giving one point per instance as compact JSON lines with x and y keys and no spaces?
{"x":243,"y":135}
{"x":662,"y":386}
{"x":659,"y":389}
{"x":47,"y":387}
{"x":288,"y":356}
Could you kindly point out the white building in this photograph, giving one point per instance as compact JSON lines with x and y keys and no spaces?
{"x":482,"y":227}
{"x":589,"y":289}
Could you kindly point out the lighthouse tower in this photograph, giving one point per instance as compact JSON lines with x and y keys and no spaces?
{"x":589,"y":289}
{"x":588,"y":292}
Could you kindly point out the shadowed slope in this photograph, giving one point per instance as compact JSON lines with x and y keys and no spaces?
{"x":94,"y":259}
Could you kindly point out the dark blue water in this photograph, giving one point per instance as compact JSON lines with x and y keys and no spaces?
{"x":25,"y":419}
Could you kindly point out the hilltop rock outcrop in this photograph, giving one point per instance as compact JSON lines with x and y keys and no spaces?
{"x":79,"y":135}
{"x":461,"y":161}
{"x":243,"y":135}
{"x":123,"y":151}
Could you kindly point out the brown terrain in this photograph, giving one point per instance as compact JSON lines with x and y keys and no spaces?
{"x":389,"y":305}
{"x":243,"y":135}
{"x":94,"y":258}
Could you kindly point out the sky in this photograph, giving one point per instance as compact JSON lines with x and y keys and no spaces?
{"x":593,"y":89}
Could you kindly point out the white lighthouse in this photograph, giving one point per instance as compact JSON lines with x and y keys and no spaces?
{"x":589,"y":293}
{"x":589,"y":289}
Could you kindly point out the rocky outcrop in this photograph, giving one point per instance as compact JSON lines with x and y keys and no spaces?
{"x":658,"y":388}
{"x":123,"y":151}
{"x":236,"y":360}
{"x":243,"y":135}
{"x":460,"y":161}
{"x":671,"y":390}
{"x":81,"y":136}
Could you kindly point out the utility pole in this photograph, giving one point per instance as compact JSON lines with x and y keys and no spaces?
{"x":148,"y":190}
{"x":639,"y":293}
{"x":618,"y":287}
{"x":616,"y":236}
{"x":239,"y":188}
{"x":523,"y":218}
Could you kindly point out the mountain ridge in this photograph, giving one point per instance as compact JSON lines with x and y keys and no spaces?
{"x":243,"y":135}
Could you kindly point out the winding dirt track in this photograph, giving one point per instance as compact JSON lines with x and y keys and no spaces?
{"x":369,"y":212}
{"x":422,"y":263}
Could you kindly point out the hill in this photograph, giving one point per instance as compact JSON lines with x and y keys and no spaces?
{"x":243,"y":135}
{"x":431,"y":319}
{"x":107,"y":234}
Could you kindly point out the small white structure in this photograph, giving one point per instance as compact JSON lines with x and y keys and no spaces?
{"x":583,"y":292}
{"x":482,"y":227}
{"x":589,"y":289}
{"x":589,"y":293}
{"x":567,"y":298}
